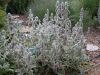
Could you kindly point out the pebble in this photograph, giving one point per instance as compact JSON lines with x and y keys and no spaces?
{"x":92,"y":47}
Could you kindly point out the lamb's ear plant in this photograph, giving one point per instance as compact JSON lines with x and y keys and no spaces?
{"x":52,"y":47}
{"x":7,"y":62}
{"x":15,"y":55}
{"x":30,"y":18}
{"x":60,"y":47}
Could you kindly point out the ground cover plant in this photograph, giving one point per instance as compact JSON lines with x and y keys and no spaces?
{"x":53,"y":46}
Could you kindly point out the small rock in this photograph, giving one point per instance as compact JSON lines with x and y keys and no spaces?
{"x":92,"y":47}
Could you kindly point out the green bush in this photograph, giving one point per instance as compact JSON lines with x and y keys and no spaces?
{"x":90,"y":18}
{"x":39,"y":7}
{"x":90,"y":14}
{"x":2,"y":18}
{"x":88,"y":21}
{"x":75,"y":7}
{"x":18,"y":6}
{"x":91,"y":6}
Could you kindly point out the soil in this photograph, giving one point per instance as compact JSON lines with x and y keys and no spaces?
{"x":93,"y":37}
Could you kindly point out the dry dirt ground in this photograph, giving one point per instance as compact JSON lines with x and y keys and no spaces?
{"x":93,"y":37}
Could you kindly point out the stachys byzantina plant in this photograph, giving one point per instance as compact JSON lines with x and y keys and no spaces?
{"x":60,"y":47}
{"x":15,"y":56}
{"x":56,"y":47}
{"x":7,"y":62}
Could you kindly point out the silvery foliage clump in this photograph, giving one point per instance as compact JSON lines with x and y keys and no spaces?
{"x":15,"y":43}
{"x":4,"y":64}
{"x":9,"y":21}
{"x":58,"y":40}
{"x":53,"y":42}
{"x":99,"y":13}
{"x":30,"y":18}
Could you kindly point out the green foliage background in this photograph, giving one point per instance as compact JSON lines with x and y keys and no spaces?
{"x":2,"y":18}
{"x":90,"y":6}
{"x":18,"y":6}
{"x":39,"y":7}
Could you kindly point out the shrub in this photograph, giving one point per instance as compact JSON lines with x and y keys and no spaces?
{"x":18,"y":6}
{"x":57,"y":47}
{"x":91,"y":6}
{"x":4,"y":3}
{"x":2,"y":18}
{"x":89,"y":21}
{"x":40,"y":6}
{"x":90,"y":11}
{"x":75,"y":6}
{"x":7,"y":62}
